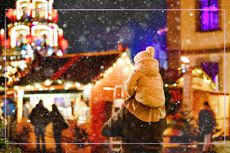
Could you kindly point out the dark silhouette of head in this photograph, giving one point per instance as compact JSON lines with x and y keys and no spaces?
{"x":54,"y":108}
{"x":81,"y":97}
{"x":40,"y":103}
{"x":206,"y":104}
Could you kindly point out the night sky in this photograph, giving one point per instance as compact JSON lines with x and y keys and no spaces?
{"x":101,"y":30}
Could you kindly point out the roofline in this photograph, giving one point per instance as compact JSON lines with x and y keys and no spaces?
{"x":109,"y":52}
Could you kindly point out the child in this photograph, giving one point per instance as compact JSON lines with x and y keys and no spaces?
{"x":142,"y":119}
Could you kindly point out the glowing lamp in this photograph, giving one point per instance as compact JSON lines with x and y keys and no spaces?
{"x":2,"y":34}
{"x":120,"y":47}
{"x":29,"y":38}
{"x":6,"y":43}
{"x":48,"y":82}
{"x":54,"y":16}
{"x":63,"y":44}
{"x":10,"y":14}
{"x":60,"y":33}
{"x":185,"y":59}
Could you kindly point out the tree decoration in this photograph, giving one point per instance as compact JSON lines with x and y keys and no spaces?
{"x":32,"y":33}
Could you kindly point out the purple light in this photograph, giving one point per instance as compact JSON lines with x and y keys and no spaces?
{"x":209,"y":17}
{"x":162,"y":31}
{"x":211,"y":68}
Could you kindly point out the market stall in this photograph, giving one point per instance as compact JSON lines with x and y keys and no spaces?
{"x":188,"y":102}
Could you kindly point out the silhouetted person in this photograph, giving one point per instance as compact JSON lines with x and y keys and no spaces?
{"x":9,"y":111}
{"x":40,"y":118}
{"x":58,"y":125}
{"x":207,"y":123}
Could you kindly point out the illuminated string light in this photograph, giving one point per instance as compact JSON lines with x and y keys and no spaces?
{"x":24,"y":30}
{"x":48,"y":82}
{"x":46,"y":28}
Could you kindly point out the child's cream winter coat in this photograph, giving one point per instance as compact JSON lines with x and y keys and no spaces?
{"x":146,"y":83}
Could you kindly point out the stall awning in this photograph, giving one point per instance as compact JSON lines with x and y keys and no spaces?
{"x":200,"y":80}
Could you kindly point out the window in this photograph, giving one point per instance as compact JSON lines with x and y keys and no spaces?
{"x":209,"y":15}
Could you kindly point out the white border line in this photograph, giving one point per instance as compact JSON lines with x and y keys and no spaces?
{"x":5,"y":74}
{"x":120,"y":10}
{"x":224,"y":64}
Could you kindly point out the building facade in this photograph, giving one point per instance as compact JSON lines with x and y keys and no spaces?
{"x":200,"y":31}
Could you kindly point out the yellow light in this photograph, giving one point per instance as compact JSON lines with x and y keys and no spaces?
{"x":25,"y":30}
{"x":16,"y":87}
{"x":48,"y":82}
{"x":78,"y":85}
{"x":110,"y":69}
{"x":68,"y":85}
{"x":55,"y":31}
{"x":66,"y":88}
{"x":87,"y":89}
{"x":128,"y":61}
{"x":185,"y":59}
{"x":37,"y":85}
{"x":2,"y":32}
{"x":88,"y":86}
{"x":120,"y":61}
{"x":98,"y":82}
{"x":124,"y":54}
{"x":108,"y":88}
{"x":199,"y":71}
{"x":59,"y":53}
{"x":59,"y":81}
{"x":166,"y":85}
{"x":14,"y":70}
{"x":60,"y":32}
{"x":126,"y":69}
{"x":44,"y":28}
{"x":28,"y":87}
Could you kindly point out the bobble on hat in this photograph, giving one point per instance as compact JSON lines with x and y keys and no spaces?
{"x":150,"y":50}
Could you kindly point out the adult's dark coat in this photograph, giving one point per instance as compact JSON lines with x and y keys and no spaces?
{"x":58,"y":125}
{"x":132,"y":130}
{"x":207,"y":121}
{"x":39,"y":116}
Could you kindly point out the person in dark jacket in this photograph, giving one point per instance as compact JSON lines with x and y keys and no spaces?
{"x":137,"y":136}
{"x":58,"y":125}
{"x":40,"y":118}
{"x":207,"y":123}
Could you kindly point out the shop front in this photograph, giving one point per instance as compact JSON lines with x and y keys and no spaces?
{"x":69,"y":104}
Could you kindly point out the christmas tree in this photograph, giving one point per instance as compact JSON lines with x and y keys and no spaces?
{"x":31,"y":34}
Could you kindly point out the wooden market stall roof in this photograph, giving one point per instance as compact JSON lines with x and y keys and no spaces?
{"x":82,"y":67}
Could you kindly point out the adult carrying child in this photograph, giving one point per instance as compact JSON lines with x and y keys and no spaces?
{"x":141,"y":122}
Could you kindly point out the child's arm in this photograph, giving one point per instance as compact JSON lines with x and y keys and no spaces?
{"x":131,"y":83}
